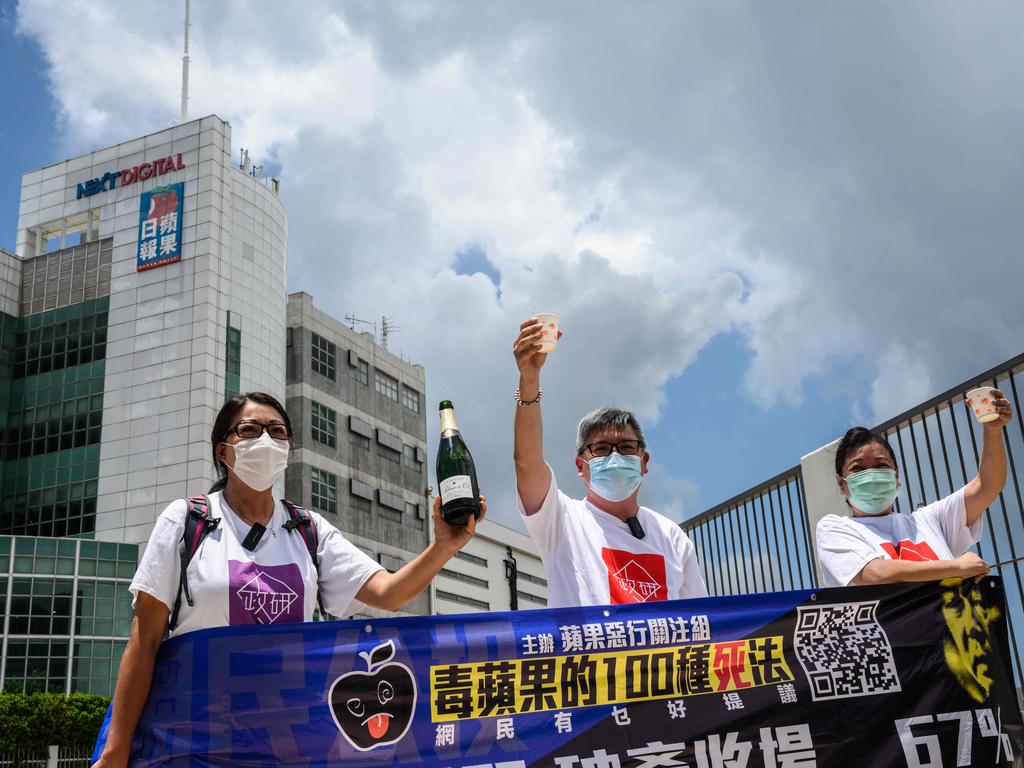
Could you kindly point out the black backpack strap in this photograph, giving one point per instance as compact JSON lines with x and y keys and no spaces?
{"x":198,"y":523}
{"x":299,"y":519}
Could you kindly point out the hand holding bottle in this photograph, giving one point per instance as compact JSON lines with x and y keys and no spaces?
{"x":454,"y":537}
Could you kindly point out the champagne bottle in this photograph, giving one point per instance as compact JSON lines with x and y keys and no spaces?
{"x":456,"y":475}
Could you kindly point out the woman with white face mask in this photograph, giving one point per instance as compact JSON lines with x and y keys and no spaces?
{"x":876,"y":545}
{"x":255,"y":565}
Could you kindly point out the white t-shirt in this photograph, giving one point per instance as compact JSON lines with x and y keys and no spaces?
{"x":936,"y":532}
{"x":274,"y":583}
{"x":591,"y":558}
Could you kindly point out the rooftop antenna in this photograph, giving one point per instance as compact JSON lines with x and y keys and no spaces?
{"x":352,"y":320}
{"x":184,"y":72}
{"x":387,"y":327}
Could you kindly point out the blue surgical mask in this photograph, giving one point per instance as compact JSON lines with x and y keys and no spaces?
{"x":614,"y":477}
{"x":872,"y":491}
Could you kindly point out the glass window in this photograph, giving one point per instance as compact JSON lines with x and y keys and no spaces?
{"x":409,"y":457}
{"x":359,"y":503}
{"x":532,"y":579}
{"x":324,"y":357}
{"x":471,"y":558}
{"x":463,"y":600}
{"x":361,"y":372}
{"x":411,"y":399}
{"x":463,"y":577}
{"x":232,"y":361}
{"x":531,"y":598}
{"x":324,"y":488}
{"x":385,"y":385}
{"x":388,"y":455}
{"x":389,"y":514}
{"x":325,"y":425}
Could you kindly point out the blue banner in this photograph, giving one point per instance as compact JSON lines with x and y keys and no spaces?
{"x":160,"y":212}
{"x":895,"y":675}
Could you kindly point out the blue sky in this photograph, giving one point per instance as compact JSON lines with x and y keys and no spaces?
{"x":28,"y":135}
{"x":760,"y":224}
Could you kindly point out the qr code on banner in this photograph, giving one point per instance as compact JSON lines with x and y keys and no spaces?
{"x":844,"y":651}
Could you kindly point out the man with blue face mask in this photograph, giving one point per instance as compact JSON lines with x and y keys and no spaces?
{"x":604,"y":549}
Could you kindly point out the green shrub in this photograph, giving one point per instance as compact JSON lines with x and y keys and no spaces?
{"x":33,"y":721}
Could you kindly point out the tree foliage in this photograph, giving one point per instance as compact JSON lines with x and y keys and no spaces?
{"x":33,"y":721}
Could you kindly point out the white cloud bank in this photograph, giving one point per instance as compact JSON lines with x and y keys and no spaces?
{"x":827,"y":184}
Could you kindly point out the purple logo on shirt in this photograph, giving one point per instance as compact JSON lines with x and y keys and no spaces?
{"x":264,"y":594}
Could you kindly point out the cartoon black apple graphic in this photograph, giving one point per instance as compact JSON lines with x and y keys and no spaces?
{"x":375,"y":707}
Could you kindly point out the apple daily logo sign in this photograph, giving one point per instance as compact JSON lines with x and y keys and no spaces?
{"x":128,"y":176}
{"x":374,"y":708}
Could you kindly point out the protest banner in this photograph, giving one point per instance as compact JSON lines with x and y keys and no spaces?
{"x":916,"y":676}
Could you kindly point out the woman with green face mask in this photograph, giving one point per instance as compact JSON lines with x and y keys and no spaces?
{"x":876,"y":545}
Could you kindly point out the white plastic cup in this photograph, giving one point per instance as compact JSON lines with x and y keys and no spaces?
{"x":981,"y":401}
{"x":550,"y":339}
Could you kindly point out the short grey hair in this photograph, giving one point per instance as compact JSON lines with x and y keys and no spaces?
{"x":606,"y":417}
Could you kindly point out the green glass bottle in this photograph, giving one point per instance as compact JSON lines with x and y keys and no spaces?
{"x":456,"y":475}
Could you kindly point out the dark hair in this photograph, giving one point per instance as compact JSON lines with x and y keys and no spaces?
{"x":603,"y":418}
{"x":222,"y":424}
{"x":855,"y":438}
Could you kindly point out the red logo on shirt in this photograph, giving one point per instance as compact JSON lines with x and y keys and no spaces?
{"x":908,"y":550}
{"x":634,"y":578}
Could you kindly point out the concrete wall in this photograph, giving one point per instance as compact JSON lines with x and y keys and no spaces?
{"x":821,"y":490}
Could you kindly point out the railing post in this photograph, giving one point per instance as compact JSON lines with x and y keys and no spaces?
{"x":51,"y":761}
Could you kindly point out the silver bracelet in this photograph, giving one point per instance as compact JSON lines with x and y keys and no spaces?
{"x":521,"y":403}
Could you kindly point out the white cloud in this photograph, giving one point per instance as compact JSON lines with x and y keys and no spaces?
{"x":902,"y":383}
{"x":657,"y":174}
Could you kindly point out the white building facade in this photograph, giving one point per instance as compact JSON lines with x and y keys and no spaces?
{"x":188,"y":296}
{"x":498,"y":570}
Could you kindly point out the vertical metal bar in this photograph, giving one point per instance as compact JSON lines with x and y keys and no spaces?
{"x":782,"y":526}
{"x":801,"y":501}
{"x":798,"y":521}
{"x":942,"y":442}
{"x":906,"y":472}
{"x":710,"y":577}
{"x":917,"y":461}
{"x":734,"y":583}
{"x":735,"y":549}
{"x":767,"y":543}
{"x":897,"y":507}
{"x":760,"y":552}
{"x":928,"y":448}
{"x":723,"y":587}
{"x":959,"y":446}
{"x":775,"y":536}
{"x":790,"y":531}
{"x":699,"y":540}
{"x":754,"y":563}
{"x":748,"y":540}
{"x":741,"y":538}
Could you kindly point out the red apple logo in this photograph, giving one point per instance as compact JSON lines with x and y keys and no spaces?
{"x":162,"y":203}
{"x":374,"y":708}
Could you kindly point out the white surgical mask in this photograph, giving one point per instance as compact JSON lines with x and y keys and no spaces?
{"x":260,"y":461}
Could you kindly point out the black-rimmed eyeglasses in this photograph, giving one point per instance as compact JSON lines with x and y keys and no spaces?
{"x":623,"y":448}
{"x":250,"y":429}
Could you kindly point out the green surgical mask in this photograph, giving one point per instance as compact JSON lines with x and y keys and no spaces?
{"x":872,"y":491}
